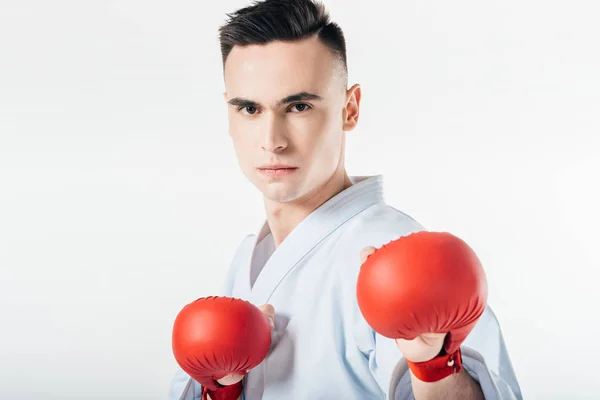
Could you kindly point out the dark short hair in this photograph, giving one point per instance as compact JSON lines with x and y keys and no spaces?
{"x":281,"y":20}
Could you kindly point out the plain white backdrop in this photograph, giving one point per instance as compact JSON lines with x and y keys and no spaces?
{"x":121,"y":200}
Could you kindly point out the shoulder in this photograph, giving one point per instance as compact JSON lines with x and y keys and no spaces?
{"x":246,"y":243}
{"x":379,"y":225}
{"x":375,"y":226}
{"x":243,"y":248}
{"x":240,"y":257}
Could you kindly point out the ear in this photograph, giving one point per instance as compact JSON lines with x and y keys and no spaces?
{"x":352,"y":107}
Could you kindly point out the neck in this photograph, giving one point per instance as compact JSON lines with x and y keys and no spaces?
{"x":284,"y":217}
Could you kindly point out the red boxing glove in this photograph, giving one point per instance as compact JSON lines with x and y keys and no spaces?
{"x":217,"y":336}
{"x":426,"y":282}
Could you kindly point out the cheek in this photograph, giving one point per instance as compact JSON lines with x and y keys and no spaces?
{"x":328,"y":137}
{"x":240,"y":137}
{"x":242,"y":150}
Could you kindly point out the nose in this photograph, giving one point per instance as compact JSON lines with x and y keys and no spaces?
{"x":274,"y":135}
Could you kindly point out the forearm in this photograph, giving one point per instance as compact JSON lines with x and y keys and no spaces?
{"x":459,"y":386}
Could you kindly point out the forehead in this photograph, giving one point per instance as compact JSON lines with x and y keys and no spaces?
{"x":275,"y":70}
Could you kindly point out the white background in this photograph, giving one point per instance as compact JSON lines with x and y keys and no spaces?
{"x":121,"y":201}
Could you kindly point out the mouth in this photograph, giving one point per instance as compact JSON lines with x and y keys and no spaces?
{"x":276,"y":170}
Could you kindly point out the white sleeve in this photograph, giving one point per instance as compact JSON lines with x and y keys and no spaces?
{"x":485,"y":358}
{"x":183,"y":387}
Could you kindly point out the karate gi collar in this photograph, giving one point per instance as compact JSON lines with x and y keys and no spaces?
{"x":310,"y":232}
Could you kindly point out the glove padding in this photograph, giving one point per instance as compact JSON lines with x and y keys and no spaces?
{"x":425,"y":282}
{"x":217,"y":336}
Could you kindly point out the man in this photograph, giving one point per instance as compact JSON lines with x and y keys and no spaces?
{"x":289,"y":112}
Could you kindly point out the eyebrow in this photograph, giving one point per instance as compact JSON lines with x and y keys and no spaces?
{"x":243,"y":102}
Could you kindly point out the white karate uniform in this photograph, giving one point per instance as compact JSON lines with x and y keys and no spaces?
{"x":322,"y":346}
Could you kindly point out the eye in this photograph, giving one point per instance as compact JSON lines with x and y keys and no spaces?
{"x":300,"y":107}
{"x":251,"y":110}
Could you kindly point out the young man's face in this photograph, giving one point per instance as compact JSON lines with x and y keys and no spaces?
{"x":288,"y":110}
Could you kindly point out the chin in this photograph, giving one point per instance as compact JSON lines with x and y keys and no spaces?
{"x":281,"y":196}
{"x":280,"y":192}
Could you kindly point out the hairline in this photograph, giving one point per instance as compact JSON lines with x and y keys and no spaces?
{"x":339,"y":65}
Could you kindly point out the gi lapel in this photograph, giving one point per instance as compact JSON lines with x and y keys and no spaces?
{"x":312,"y":230}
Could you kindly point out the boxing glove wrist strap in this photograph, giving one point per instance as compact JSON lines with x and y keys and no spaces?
{"x":231,"y":392}
{"x":437,"y":368}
